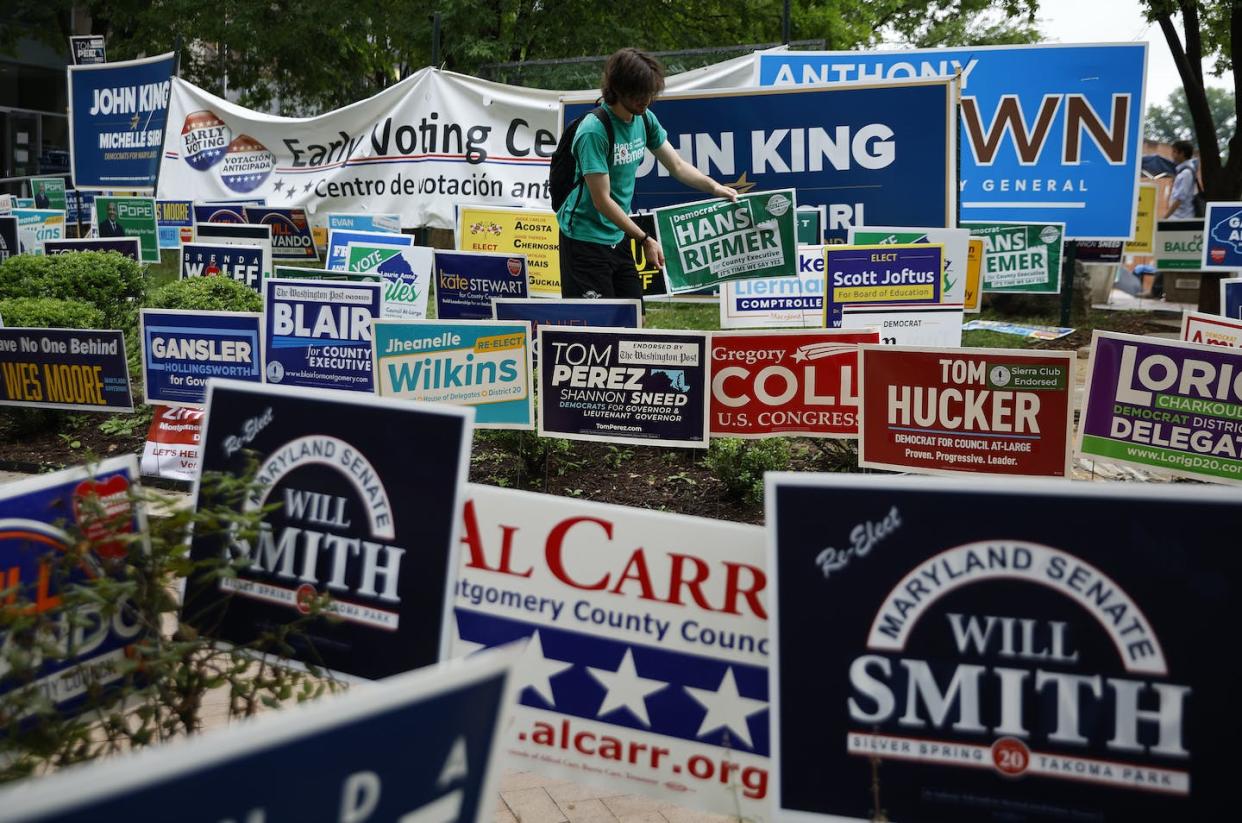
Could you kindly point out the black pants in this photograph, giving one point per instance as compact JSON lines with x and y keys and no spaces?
{"x":595,"y":270}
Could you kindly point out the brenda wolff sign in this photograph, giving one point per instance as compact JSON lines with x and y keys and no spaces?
{"x":242,"y":263}
{"x":1152,"y":402}
{"x":645,"y":667}
{"x":239,"y":234}
{"x":171,"y":448}
{"x":291,"y":231}
{"x":129,"y":217}
{"x":345,"y":469}
{"x":42,"y":521}
{"x":711,"y":241}
{"x":480,"y":363}
{"x":64,"y":369}
{"x":319,"y":333}
{"x":766,"y":384}
{"x":1000,"y":665}
{"x":181,"y":349}
{"x":993,"y":411}
{"x":1179,"y":245}
{"x":417,"y":748}
{"x":624,"y":386}
{"x":1211,"y":330}
{"x":955,"y":242}
{"x":896,"y":273}
{"x":405,"y":272}
{"x":1021,"y":258}
{"x":777,"y":302}
{"x":532,"y":233}
{"x":467,"y":281}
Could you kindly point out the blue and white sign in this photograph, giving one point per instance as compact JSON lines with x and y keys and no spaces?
{"x":318,"y":333}
{"x":1050,"y":133}
{"x":181,"y":349}
{"x":339,"y":240}
{"x":881,"y":154}
{"x":174,"y":220}
{"x":242,"y":263}
{"x":390,"y":223}
{"x":406,"y":272}
{"x":220,"y":213}
{"x":606,"y":313}
{"x":468,"y":281}
{"x":1231,"y":298}
{"x":36,"y":226}
{"x":117,"y":116}
{"x":777,"y":302}
{"x":1222,"y":237}
{"x":419,"y":747}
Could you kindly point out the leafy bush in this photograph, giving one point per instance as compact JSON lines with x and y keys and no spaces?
{"x":740,"y":464}
{"x":19,"y":272}
{"x":206,"y":294}
{"x":50,"y":313}
{"x":110,"y":282}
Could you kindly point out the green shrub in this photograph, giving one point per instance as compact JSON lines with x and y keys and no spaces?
{"x":50,"y":313}
{"x":19,"y":272}
{"x":206,"y":294}
{"x":110,"y":282}
{"x":740,"y":464}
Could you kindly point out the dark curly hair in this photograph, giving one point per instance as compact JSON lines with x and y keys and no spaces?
{"x":631,"y":73}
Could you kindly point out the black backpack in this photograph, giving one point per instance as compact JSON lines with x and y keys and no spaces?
{"x":563,"y":175}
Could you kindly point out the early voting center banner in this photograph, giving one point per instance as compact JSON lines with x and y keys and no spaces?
{"x":645,"y":669}
{"x":368,"y":514}
{"x":993,"y":663}
{"x":1039,"y":142}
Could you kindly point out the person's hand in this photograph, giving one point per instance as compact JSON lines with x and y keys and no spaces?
{"x":726,"y":192}
{"x":653,"y":252}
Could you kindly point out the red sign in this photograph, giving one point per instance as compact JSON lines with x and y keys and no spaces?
{"x":171,"y":450}
{"x":770,"y":383}
{"x":987,"y":411}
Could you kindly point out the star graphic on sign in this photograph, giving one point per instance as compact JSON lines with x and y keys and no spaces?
{"x":799,"y":355}
{"x":536,"y":671}
{"x":278,"y":185}
{"x":741,"y":185}
{"x":133,"y":122}
{"x":726,"y":708}
{"x":289,"y":194}
{"x":307,"y":187}
{"x":626,"y":690}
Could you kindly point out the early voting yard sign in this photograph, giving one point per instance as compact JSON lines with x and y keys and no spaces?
{"x":420,"y":747}
{"x":368,"y":492}
{"x":999,"y":664}
{"x":633,"y":679}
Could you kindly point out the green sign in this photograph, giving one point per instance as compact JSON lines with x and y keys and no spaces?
{"x":810,"y":226}
{"x":1179,"y":245}
{"x":707,"y":243}
{"x":48,"y":192}
{"x":1020,"y":257}
{"x":129,"y":217}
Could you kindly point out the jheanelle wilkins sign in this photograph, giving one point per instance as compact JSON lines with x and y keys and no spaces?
{"x":634,"y":678}
{"x":64,"y":369}
{"x":344,"y":469}
{"x":181,"y":349}
{"x":992,"y":411}
{"x":624,"y":386}
{"x":1153,"y":402}
{"x":318,"y":333}
{"x":1000,"y":665}
{"x":417,"y":748}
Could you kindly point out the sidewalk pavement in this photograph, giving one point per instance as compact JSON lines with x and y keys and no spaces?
{"x":526,"y":797}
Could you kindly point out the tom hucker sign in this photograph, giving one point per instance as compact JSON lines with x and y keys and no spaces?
{"x":359,"y":498}
{"x":989,"y":411}
{"x":318,"y":333}
{"x":645,"y":669}
{"x":1153,"y":402}
{"x":778,"y":383}
{"x":965,"y":650}
{"x":875,"y":276}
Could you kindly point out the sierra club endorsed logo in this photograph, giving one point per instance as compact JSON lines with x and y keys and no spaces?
{"x":1021,"y":700}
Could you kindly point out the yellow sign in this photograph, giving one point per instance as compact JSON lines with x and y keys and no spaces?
{"x":974,"y":269}
{"x":516,"y":231}
{"x":1145,"y":225}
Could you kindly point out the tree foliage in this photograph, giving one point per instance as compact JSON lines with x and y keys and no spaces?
{"x":1172,"y":121}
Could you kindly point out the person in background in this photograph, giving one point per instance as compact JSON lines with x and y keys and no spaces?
{"x":1185,"y":183}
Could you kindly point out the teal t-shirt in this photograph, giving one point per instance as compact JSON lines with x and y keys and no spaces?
{"x":578,"y":216}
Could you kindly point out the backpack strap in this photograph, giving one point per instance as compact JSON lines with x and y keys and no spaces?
{"x":603,"y":118}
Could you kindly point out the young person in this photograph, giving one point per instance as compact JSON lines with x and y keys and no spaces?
{"x":594,"y":219}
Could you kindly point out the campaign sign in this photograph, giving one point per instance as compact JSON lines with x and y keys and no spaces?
{"x":609,"y":313}
{"x":991,"y":411}
{"x":174,"y":220}
{"x":927,"y":326}
{"x":775,"y":383}
{"x":957,"y":659}
{"x":1179,"y":245}
{"x":417,"y":748}
{"x":305,"y":273}
{"x":1036,"y":144}
{"x":43,"y":519}
{"x":649,"y":272}
{"x":810,"y":225}
{"x":956,"y":243}
{"x":973,"y":299}
{"x":80,"y":208}
{"x":390,"y":223}
{"x":220,"y":213}
{"x":127,"y":246}
{"x":242,"y":263}
{"x":633,"y":678}
{"x":468,"y":281}
{"x":905,"y":273}
{"x":777,"y":302}
{"x":318,"y":334}
{"x":72,"y":369}
{"x":35,"y":226}
{"x":8,"y":238}
{"x":171,"y":447}
{"x":1211,"y":330}
{"x":530,"y":232}
{"x":1098,"y":251}
{"x":860,"y":151}
{"x":1154,"y":402}
{"x":181,"y":349}
{"x":708,"y":242}
{"x":87,"y":49}
{"x":339,"y":240}
{"x":1230,"y":296}
{"x":1144,"y":222}
{"x":129,"y":217}
{"x":369,"y":498}
{"x":1222,"y":241}
{"x":117,"y":116}
{"x":48,"y":193}
{"x":238,"y":234}
{"x":405,"y":271}
{"x":1020,"y":258}
{"x":291,"y":231}
{"x":624,"y":386}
